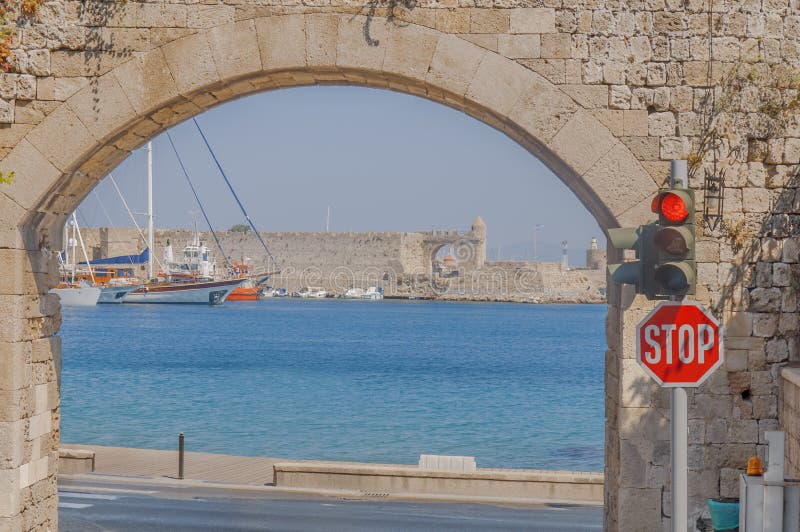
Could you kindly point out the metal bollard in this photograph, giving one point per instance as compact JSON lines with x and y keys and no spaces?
{"x":180,"y":455}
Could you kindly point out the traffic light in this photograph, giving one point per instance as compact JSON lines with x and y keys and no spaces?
{"x":674,"y":269}
{"x":665,"y":265}
{"x":637,"y":239}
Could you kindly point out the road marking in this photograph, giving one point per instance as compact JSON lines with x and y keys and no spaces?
{"x":78,"y":495}
{"x":74,"y":505}
{"x":97,"y":489}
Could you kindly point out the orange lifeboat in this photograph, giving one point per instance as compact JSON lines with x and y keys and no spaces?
{"x":248,"y":290}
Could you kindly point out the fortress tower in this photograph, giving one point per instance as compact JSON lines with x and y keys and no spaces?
{"x":595,"y":258}
{"x":479,"y":237}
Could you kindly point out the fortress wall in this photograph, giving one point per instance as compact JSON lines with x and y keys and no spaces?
{"x":392,"y":260}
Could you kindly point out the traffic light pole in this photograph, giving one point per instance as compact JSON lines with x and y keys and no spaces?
{"x":679,"y":418}
{"x":679,"y":461}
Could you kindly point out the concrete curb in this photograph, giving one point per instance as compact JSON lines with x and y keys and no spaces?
{"x":347,"y":494}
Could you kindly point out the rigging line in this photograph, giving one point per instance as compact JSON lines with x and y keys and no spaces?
{"x":111,"y":227}
{"x":225,"y":177}
{"x":199,"y":204}
{"x":133,"y":219}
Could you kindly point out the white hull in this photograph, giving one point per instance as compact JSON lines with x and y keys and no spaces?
{"x":115,"y":294}
{"x":86,"y":296}
{"x":208,"y":294}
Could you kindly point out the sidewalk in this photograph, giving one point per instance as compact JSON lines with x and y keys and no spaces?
{"x":209,"y":467}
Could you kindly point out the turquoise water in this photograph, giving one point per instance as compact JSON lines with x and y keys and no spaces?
{"x":517,"y":386}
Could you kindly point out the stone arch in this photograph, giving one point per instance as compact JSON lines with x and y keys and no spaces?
{"x":60,"y":160}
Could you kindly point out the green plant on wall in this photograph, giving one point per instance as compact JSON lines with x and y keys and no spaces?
{"x":7,"y":178}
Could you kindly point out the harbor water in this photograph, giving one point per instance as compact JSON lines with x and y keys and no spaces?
{"x":516,"y":386}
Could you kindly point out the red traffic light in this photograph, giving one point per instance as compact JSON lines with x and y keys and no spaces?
{"x":671,"y":207}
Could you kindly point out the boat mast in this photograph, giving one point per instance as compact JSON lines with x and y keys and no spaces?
{"x":150,"y":254}
{"x":83,"y":247}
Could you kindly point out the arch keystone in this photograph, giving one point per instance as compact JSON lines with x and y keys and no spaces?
{"x":322,"y":35}
{"x":235,"y":49}
{"x":282,"y":41}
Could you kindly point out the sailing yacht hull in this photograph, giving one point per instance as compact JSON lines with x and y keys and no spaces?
{"x":116,"y":294}
{"x":211,"y":293}
{"x":85,"y":296}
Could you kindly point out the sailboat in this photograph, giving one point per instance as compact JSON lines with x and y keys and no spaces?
{"x":72,"y":290}
{"x":189,"y":281}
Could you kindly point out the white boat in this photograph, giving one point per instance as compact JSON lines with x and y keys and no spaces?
{"x":373,"y":293}
{"x":312,"y":292}
{"x":354,"y":293}
{"x":116,"y":294}
{"x":72,"y":290}
{"x":77,"y":296}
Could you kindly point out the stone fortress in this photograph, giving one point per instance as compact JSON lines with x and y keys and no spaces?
{"x":440,"y":264}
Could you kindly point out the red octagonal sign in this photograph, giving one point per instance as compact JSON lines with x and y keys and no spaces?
{"x":679,"y":344}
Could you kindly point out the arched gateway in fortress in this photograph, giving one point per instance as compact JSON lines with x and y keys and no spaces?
{"x":605,"y":93}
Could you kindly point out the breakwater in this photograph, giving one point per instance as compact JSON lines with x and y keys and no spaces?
{"x":442,"y":264}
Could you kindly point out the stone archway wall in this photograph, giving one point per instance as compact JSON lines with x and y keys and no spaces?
{"x":604,"y":92}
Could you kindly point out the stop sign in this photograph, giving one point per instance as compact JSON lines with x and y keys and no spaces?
{"x":679,"y":344}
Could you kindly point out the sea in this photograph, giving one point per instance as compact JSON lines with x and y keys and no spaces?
{"x":514,"y":385}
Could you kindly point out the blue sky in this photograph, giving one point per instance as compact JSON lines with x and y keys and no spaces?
{"x":383,"y":161}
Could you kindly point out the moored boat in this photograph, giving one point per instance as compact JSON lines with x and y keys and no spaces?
{"x":373,"y":293}
{"x":77,"y":296}
{"x":197,"y":292}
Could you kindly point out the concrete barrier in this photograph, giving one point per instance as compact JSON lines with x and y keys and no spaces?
{"x":561,"y":486}
{"x":75,"y":461}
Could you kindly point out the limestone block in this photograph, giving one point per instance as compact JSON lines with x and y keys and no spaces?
{"x":34,"y":173}
{"x":765,"y":325}
{"x":191,"y":63}
{"x":533,"y":20}
{"x":409,"y":51}
{"x":519,"y":46}
{"x":542,"y":110}
{"x":755,"y":200}
{"x":102,"y":107}
{"x":739,"y":324}
{"x":454,"y":64}
{"x":662,"y":124}
{"x":557,"y":46}
{"x":9,"y":493}
{"x":488,"y":21}
{"x":208,"y":16}
{"x":603,"y":177}
{"x":581,"y":156}
{"x":353,"y":50}
{"x":771,"y":249}
{"x":235,"y":49}
{"x":322,"y":36}
{"x":147,"y":81}
{"x":642,"y":509}
{"x":498,"y":83}
{"x":637,"y":387}
{"x":620,"y":97}
{"x":765,"y":299}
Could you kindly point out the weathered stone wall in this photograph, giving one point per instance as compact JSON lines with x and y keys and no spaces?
{"x":605,"y":92}
{"x":790,"y":420}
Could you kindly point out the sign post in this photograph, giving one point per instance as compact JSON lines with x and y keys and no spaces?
{"x":679,"y":344}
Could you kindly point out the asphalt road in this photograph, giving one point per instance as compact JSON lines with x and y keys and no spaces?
{"x":89,"y":506}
